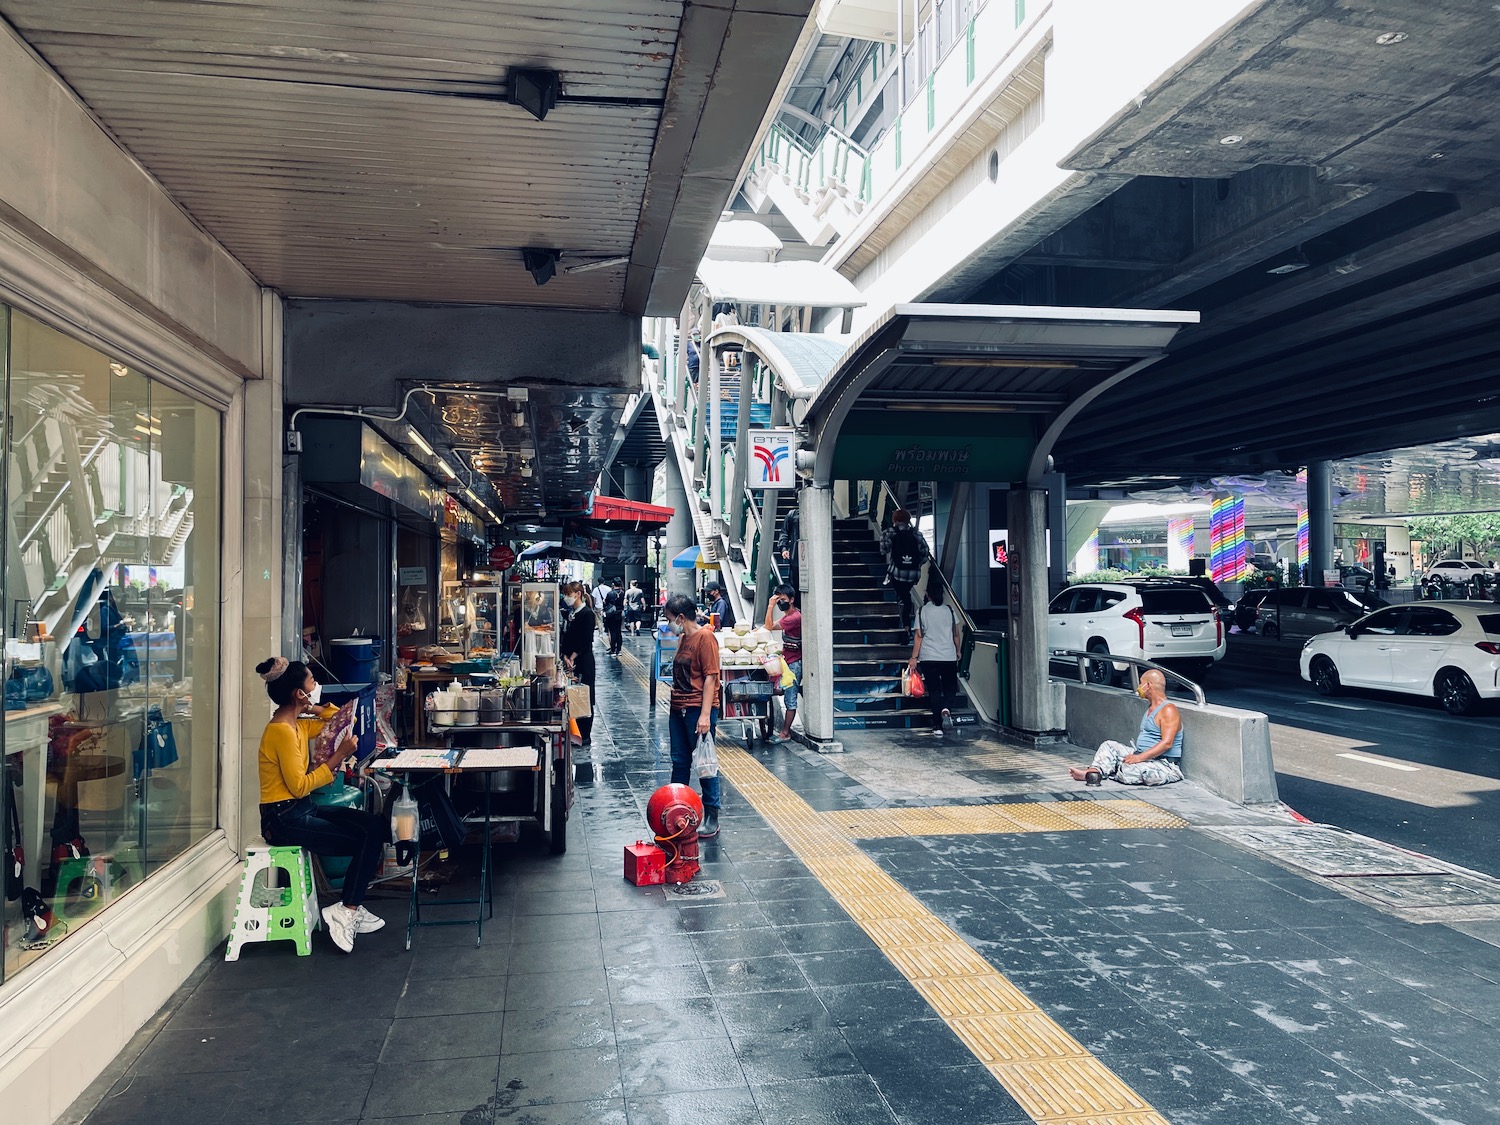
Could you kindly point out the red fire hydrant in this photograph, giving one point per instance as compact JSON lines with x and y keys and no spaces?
{"x":674,"y":814}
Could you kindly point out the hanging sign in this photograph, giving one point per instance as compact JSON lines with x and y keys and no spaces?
{"x":772,"y":459}
{"x":502,"y":557}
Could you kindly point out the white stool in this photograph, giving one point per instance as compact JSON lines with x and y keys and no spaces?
{"x":267,"y":911}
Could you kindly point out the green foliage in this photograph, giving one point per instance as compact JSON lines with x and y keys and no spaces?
{"x":1443,"y":533}
{"x":1115,"y":574}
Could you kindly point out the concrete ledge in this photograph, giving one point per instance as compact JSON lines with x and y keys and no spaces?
{"x":1225,"y":750}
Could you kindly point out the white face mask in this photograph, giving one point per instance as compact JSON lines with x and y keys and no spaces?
{"x":675,"y":626}
{"x":315,"y":696}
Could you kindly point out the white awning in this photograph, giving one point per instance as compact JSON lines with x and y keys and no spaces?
{"x":795,"y":284}
{"x":743,"y":240}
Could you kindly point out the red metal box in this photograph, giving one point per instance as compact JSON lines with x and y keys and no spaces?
{"x":645,"y":864}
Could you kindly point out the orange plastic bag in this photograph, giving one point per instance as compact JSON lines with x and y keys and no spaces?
{"x":913,"y":685}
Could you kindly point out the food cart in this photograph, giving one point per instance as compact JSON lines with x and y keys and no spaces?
{"x":746,"y":659}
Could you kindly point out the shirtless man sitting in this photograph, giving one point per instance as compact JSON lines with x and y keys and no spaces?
{"x":1156,"y":758}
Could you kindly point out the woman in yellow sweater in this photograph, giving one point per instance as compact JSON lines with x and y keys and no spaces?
{"x":288,"y":818}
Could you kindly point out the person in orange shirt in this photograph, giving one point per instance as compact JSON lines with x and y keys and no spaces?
{"x":695,"y":701}
{"x":288,"y":818}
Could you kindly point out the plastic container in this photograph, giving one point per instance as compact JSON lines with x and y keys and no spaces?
{"x":353,"y":659}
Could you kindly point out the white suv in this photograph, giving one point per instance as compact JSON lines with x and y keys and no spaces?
{"x":1151,"y":620}
{"x":1455,"y":570}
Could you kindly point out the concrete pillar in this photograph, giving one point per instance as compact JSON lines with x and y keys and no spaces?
{"x":636,"y":481}
{"x":1035,"y":709}
{"x":678,"y":536}
{"x":816,"y":505}
{"x":1319,"y":520}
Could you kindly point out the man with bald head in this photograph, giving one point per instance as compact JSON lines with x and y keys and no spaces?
{"x":1156,"y":757}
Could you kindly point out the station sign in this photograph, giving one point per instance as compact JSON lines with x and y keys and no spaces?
{"x":772,"y":459}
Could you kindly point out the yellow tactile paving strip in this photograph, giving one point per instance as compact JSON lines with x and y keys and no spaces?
{"x":1024,"y":816}
{"x":1048,"y":1072}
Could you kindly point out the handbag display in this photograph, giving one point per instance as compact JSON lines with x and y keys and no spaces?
{"x":158,"y":745}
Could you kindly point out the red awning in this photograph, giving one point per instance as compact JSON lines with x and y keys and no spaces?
{"x":619,"y":513}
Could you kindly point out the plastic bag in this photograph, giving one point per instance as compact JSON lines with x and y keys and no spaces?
{"x":912,"y":685}
{"x":706,"y":757}
{"x":787,"y":676}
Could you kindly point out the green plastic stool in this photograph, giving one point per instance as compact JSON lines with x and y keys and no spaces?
{"x":268,"y":911}
{"x":85,"y":883}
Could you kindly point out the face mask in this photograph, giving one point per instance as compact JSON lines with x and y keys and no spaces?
{"x":315,"y":696}
{"x":675,"y":626}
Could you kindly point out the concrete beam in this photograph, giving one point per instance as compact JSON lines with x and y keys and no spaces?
{"x":359,"y":353}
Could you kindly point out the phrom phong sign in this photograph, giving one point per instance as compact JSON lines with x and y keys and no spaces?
{"x":772,"y":459}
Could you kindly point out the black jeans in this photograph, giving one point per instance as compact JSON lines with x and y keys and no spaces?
{"x":330,"y":831}
{"x":903,"y":597}
{"x":940,"y":678}
{"x":612,"y":623}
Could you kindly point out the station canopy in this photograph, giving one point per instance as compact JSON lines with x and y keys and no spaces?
{"x":954,"y":392}
{"x":793,"y":284}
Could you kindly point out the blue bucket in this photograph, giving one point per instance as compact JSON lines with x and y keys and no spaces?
{"x":353,"y":659}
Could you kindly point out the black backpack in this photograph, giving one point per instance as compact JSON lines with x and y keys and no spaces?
{"x":907,"y":549}
{"x":612,"y":603}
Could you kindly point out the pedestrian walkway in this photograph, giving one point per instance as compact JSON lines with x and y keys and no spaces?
{"x":865,"y":948}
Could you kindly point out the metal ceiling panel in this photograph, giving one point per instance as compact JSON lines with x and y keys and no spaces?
{"x":342,"y":148}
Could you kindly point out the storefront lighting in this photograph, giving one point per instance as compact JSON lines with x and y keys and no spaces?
{"x":518,"y":419}
{"x":526,"y":468}
{"x":420,"y":441}
{"x":446,"y":469}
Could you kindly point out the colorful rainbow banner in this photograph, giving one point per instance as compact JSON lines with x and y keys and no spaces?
{"x":1179,"y":542}
{"x":1301,"y":536}
{"x":1087,"y":559}
{"x":1226,"y":536}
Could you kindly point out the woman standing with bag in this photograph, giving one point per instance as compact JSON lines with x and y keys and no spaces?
{"x":935,"y":652}
{"x":578,"y":647}
{"x":288,"y":818}
{"x":695,"y":701}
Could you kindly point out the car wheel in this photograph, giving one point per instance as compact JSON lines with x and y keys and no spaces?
{"x":1101,"y":671}
{"x":1325,"y":677}
{"x":1455,"y":691}
{"x":1268,"y":630}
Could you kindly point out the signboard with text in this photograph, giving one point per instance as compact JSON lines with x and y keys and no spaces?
{"x":772,"y":459}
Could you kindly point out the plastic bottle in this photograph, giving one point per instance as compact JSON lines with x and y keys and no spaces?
{"x":404,"y":826}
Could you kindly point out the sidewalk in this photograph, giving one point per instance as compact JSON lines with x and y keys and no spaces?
{"x":914,"y":931}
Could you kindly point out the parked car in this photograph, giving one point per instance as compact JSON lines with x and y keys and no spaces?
{"x":1299,"y":612}
{"x":1455,"y":570}
{"x":1447,"y":650}
{"x":1244,"y":609}
{"x":1458,"y":576}
{"x":1152,"y":619}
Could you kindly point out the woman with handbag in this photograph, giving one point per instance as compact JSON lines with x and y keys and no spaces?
{"x":578,"y":647}
{"x":935,"y":651}
{"x":288,"y":818}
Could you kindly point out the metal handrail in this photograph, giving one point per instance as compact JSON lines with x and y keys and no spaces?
{"x":753,"y":512}
{"x":61,"y":492}
{"x":1084,"y":659}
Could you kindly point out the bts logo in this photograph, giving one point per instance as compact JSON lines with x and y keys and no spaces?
{"x":771,"y":464}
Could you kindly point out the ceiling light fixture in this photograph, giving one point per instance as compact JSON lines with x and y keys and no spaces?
{"x":120,"y":370}
{"x":420,"y":441}
{"x":518,"y":418}
{"x":534,"y":89}
{"x":541,"y":263}
{"x":601,"y":264}
{"x":526,"y":468}
{"x":446,"y":469}
{"x":987,"y":361}
{"x":952,"y":407}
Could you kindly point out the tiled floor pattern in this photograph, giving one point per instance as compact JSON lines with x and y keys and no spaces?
{"x":1048,"y":1072}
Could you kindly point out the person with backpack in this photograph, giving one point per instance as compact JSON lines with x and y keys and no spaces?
{"x":935,"y":652}
{"x":614,"y":617}
{"x":905,"y":551}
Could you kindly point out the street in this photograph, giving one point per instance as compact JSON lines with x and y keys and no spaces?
{"x":1397,"y":768}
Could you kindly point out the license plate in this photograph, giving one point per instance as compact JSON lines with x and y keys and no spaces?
{"x":1182,"y":630}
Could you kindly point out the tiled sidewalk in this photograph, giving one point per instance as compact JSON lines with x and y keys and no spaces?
{"x":1221,"y":987}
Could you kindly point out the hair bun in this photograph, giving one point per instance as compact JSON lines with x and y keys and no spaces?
{"x":273,"y":668}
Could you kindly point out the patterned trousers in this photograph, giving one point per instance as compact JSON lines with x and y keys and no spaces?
{"x":1109,"y":760}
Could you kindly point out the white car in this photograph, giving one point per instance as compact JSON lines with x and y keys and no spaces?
{"x":1447,"y":650}
{"x":1150,"y":620}
{"x":1455,"y":570}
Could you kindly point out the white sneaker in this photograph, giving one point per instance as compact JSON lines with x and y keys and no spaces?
{"x":339,"y":920}
{"x":367,"y":923}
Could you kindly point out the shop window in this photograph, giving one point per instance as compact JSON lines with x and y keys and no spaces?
{"x":111,"y":579}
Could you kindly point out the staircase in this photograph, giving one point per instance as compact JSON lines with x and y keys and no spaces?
{"x":870,"y":649}
{"x":729,"y":417}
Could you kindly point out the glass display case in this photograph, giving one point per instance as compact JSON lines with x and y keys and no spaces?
{"x":541,"y":628}
{"x":483,"y":621}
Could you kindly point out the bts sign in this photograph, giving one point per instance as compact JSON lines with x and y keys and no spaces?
{"x":772,"y":459}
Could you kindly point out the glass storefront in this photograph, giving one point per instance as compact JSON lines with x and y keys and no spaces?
{"x":111,"y":558}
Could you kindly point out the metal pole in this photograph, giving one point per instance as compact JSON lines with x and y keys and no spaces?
{"x":816,"y":573}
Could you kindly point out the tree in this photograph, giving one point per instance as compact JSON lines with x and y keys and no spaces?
{"x":1480,"y":529}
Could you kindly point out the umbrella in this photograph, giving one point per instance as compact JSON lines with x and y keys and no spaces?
{"x":692,"y":557}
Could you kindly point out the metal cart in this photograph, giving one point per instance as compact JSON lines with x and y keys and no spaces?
{"x":747,"y":701}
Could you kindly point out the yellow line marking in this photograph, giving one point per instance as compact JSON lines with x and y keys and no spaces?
{"x":1048,"y":1072}
{"x":1022,"y":816}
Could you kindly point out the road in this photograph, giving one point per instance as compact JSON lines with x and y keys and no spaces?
{"x":1394,"y":767}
